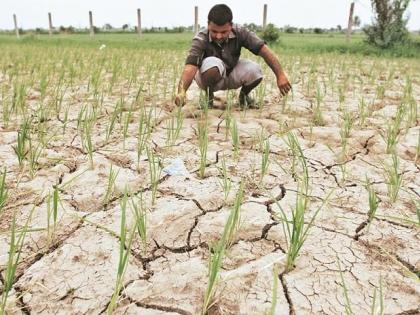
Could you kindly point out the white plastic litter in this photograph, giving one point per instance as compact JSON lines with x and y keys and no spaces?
{"x":176,"y":168}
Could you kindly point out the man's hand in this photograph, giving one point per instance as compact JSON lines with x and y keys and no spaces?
{"x":283,"y":84}
{"x":181,"y":98}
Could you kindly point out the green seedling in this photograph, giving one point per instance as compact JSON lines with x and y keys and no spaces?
{"x":3,"y":190}
{"x":235,"y":138}
{"x":394,"y":178}
{"x":126,"y":240}
{"x":111,"y":184}
{"x":202,"y":127}
{"x":140,"y":214}
{"x":154,"y":172}
{"x":15,"y":250}
{"x":225,"y":182}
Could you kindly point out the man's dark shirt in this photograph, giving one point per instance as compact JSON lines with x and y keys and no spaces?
{"x":202,"y":47}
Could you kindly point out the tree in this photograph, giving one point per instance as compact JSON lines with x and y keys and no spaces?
{"x":389,"y":26}
{"x":356,"y":21}
{"x":271,"y":33}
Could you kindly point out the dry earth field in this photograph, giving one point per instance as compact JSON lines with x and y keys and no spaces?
{"x":89,"y":215}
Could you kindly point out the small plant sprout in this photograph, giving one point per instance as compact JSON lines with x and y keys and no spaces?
{"x":276,"y":272}
{"x":235,"y":138}
{"x":174,"y":126}
{"x":15,"y":250}
{"x":126,"y":240}
{"x":225,"y":182}
{"x":392,"y":132}
{"x":378,"y":300}
{"x":154,"y":172}
{"x":265,"y":157}
{"x":140,"y":214}
{"x":218,"y":249}
{"x":347,"y":305}
{"x":363,"y":112}
{"x":318,"y":120}
{"x":21,"y":149}
{"x":373,"y":202}
{"x":202,"y":129}
{"x":417,"y":148}
{"x":235,"y":214}
{"x":3,"y":190}
{"x":111,"y":184}
{"x":143,"y":135}
{"x":52,"y":212}
{"x":394,"y":178}
{"x":296,"y":230}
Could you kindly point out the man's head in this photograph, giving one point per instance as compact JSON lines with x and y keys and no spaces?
{"x":220,"y":22}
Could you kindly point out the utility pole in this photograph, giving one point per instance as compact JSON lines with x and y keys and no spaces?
{"x":92,"y":32}
{"x":195,"y":20}
{"x":16,"y":25}
{"x":139,"y":22}
{"x":50,"y":26}
{"x":265,"y":16}
{"x":350,"y":24}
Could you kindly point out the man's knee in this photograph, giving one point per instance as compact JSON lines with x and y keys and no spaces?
{"x":252,"y":73}
{"x":210,"y":77}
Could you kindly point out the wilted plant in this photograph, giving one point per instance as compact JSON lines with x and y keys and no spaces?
{"x":373,"y":202}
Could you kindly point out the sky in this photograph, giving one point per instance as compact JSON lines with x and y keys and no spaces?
{"x":299,"y":13}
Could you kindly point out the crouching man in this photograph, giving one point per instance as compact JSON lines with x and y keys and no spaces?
{"x":213,"y":60}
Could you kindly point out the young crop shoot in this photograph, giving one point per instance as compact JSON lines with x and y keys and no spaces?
{"x":3,"y":190}
{"x":174,"y":126}
{"x":235,"y":138}
{"x":154,"y":172}
{"x":318,"y":119}
{"x":225,"y":182}
{"x":111,"y":184}
{"x":265,"y":157}
{"x":392,"y":132}
{"x":218,"y":249}
{"x":202,"y":127}
{"x":143,"y":135}
{"x":296,"y":229}
{"x":17,"y":240}
{"x":394,"y":178}
{"x":141,"y":218}
{"x":126,"y":240}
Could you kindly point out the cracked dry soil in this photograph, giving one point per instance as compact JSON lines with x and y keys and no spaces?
{"x":73,"y":269}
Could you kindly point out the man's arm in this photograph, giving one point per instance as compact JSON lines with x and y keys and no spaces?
{"x":187,"y":77}
{"x":273,"y":62}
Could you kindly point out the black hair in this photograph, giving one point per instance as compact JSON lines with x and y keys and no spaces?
{"x":220,"y":14}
